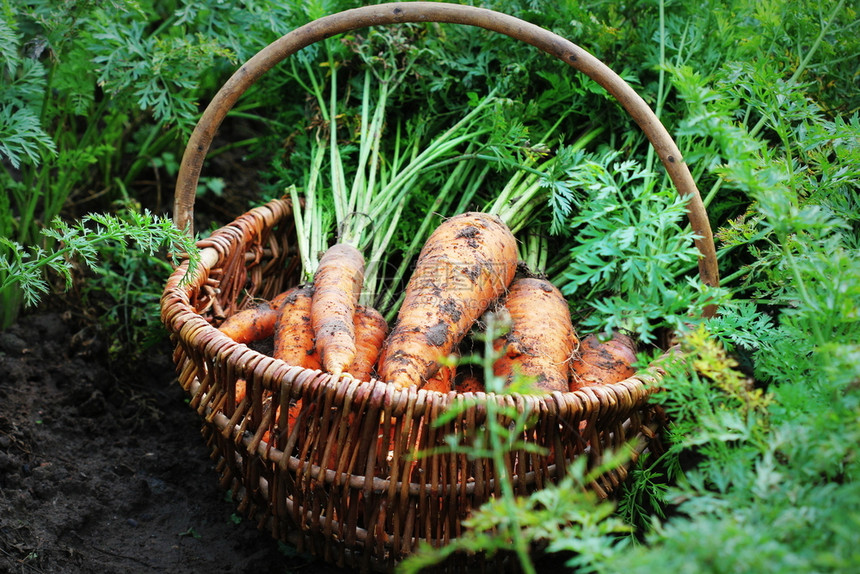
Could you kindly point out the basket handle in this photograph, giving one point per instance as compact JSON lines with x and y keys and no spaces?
{"x":398,"y":12}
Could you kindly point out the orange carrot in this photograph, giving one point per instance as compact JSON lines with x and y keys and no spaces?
{"x":465,"y":265}
{"x":241,"y":390}
{"x":251,"y":324}
{"x":597,"y":363}
{"x":370,"y":332}
{"x":337,"y":285}
{"x":255,"y":323}
{"x":294,"y":337}
{"x":541,"y":340}
{"x":291,"y":349}
{"x":280,"y":298}
{"x":442,"y":381}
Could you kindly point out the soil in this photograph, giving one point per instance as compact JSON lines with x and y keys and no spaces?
{"x":103,"y":469}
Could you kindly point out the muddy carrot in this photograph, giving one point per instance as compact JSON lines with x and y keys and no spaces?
{"x":541,"y":341}
{"x":442,"y":381}
{"x":280,"y":298}
{"x":337,"y":285}
{"x":465,"y":265}
{"x":251,"y":324}
{"x":370,"y":332}
{"x":597,"y":363}
{"x":294,"y":337}
{"x":256,"y":323}
{"x":241,"y":390}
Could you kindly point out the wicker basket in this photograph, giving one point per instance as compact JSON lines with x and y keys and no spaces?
{"x":328,"y":484}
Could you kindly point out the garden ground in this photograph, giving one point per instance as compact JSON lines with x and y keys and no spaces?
{"x":103,"y":468}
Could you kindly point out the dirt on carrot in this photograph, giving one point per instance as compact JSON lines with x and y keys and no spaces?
{"x":370,"y":332}
{"x":465,"y":265}
{"x":442,"y":381}
{"x":603,"y":363}
{"x":469,"y":384}
{"x":294,"y":336}
{"x":337,"y":286}
{"x":541,"y":341}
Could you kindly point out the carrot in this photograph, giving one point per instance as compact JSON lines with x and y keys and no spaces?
{"x":292,"y":418}
{"x":464,"y":266}
{"x":442,"y":381}
{"x":597,"y":363}
{"x":241,"y":390}
{"x":255,"y":323}
{"x":370,"y":332}
{"x":294,"y":337}
{"x":280,"y":298}
{"x":251,"y":324}
{"x":541,"y":340}
{"x":337,"y":285}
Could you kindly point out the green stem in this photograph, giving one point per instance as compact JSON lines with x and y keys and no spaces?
{"x":360,"y":182}
{"x":152,"y":148}
{"x":309,"y":222}
{"x":365,"y":194}
{"x":338,"y":178}
{"x":661,"y":81}
{"x":505,"y":161}
{"x":391,"y":193}
{"x":496,"y":430}
{"x":377,"y":258}
{"x":233,"y":145}
{"x":460,"y":178}
{"x":517,"y":201}
{"x":301,"y":233}
{"x":801,"y":287}
{"x":729,"y":278}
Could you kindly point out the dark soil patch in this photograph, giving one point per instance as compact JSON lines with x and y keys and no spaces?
{"x":103,"y":469}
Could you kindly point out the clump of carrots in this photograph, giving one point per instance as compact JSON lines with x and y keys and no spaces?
{"x":468,"y":266}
